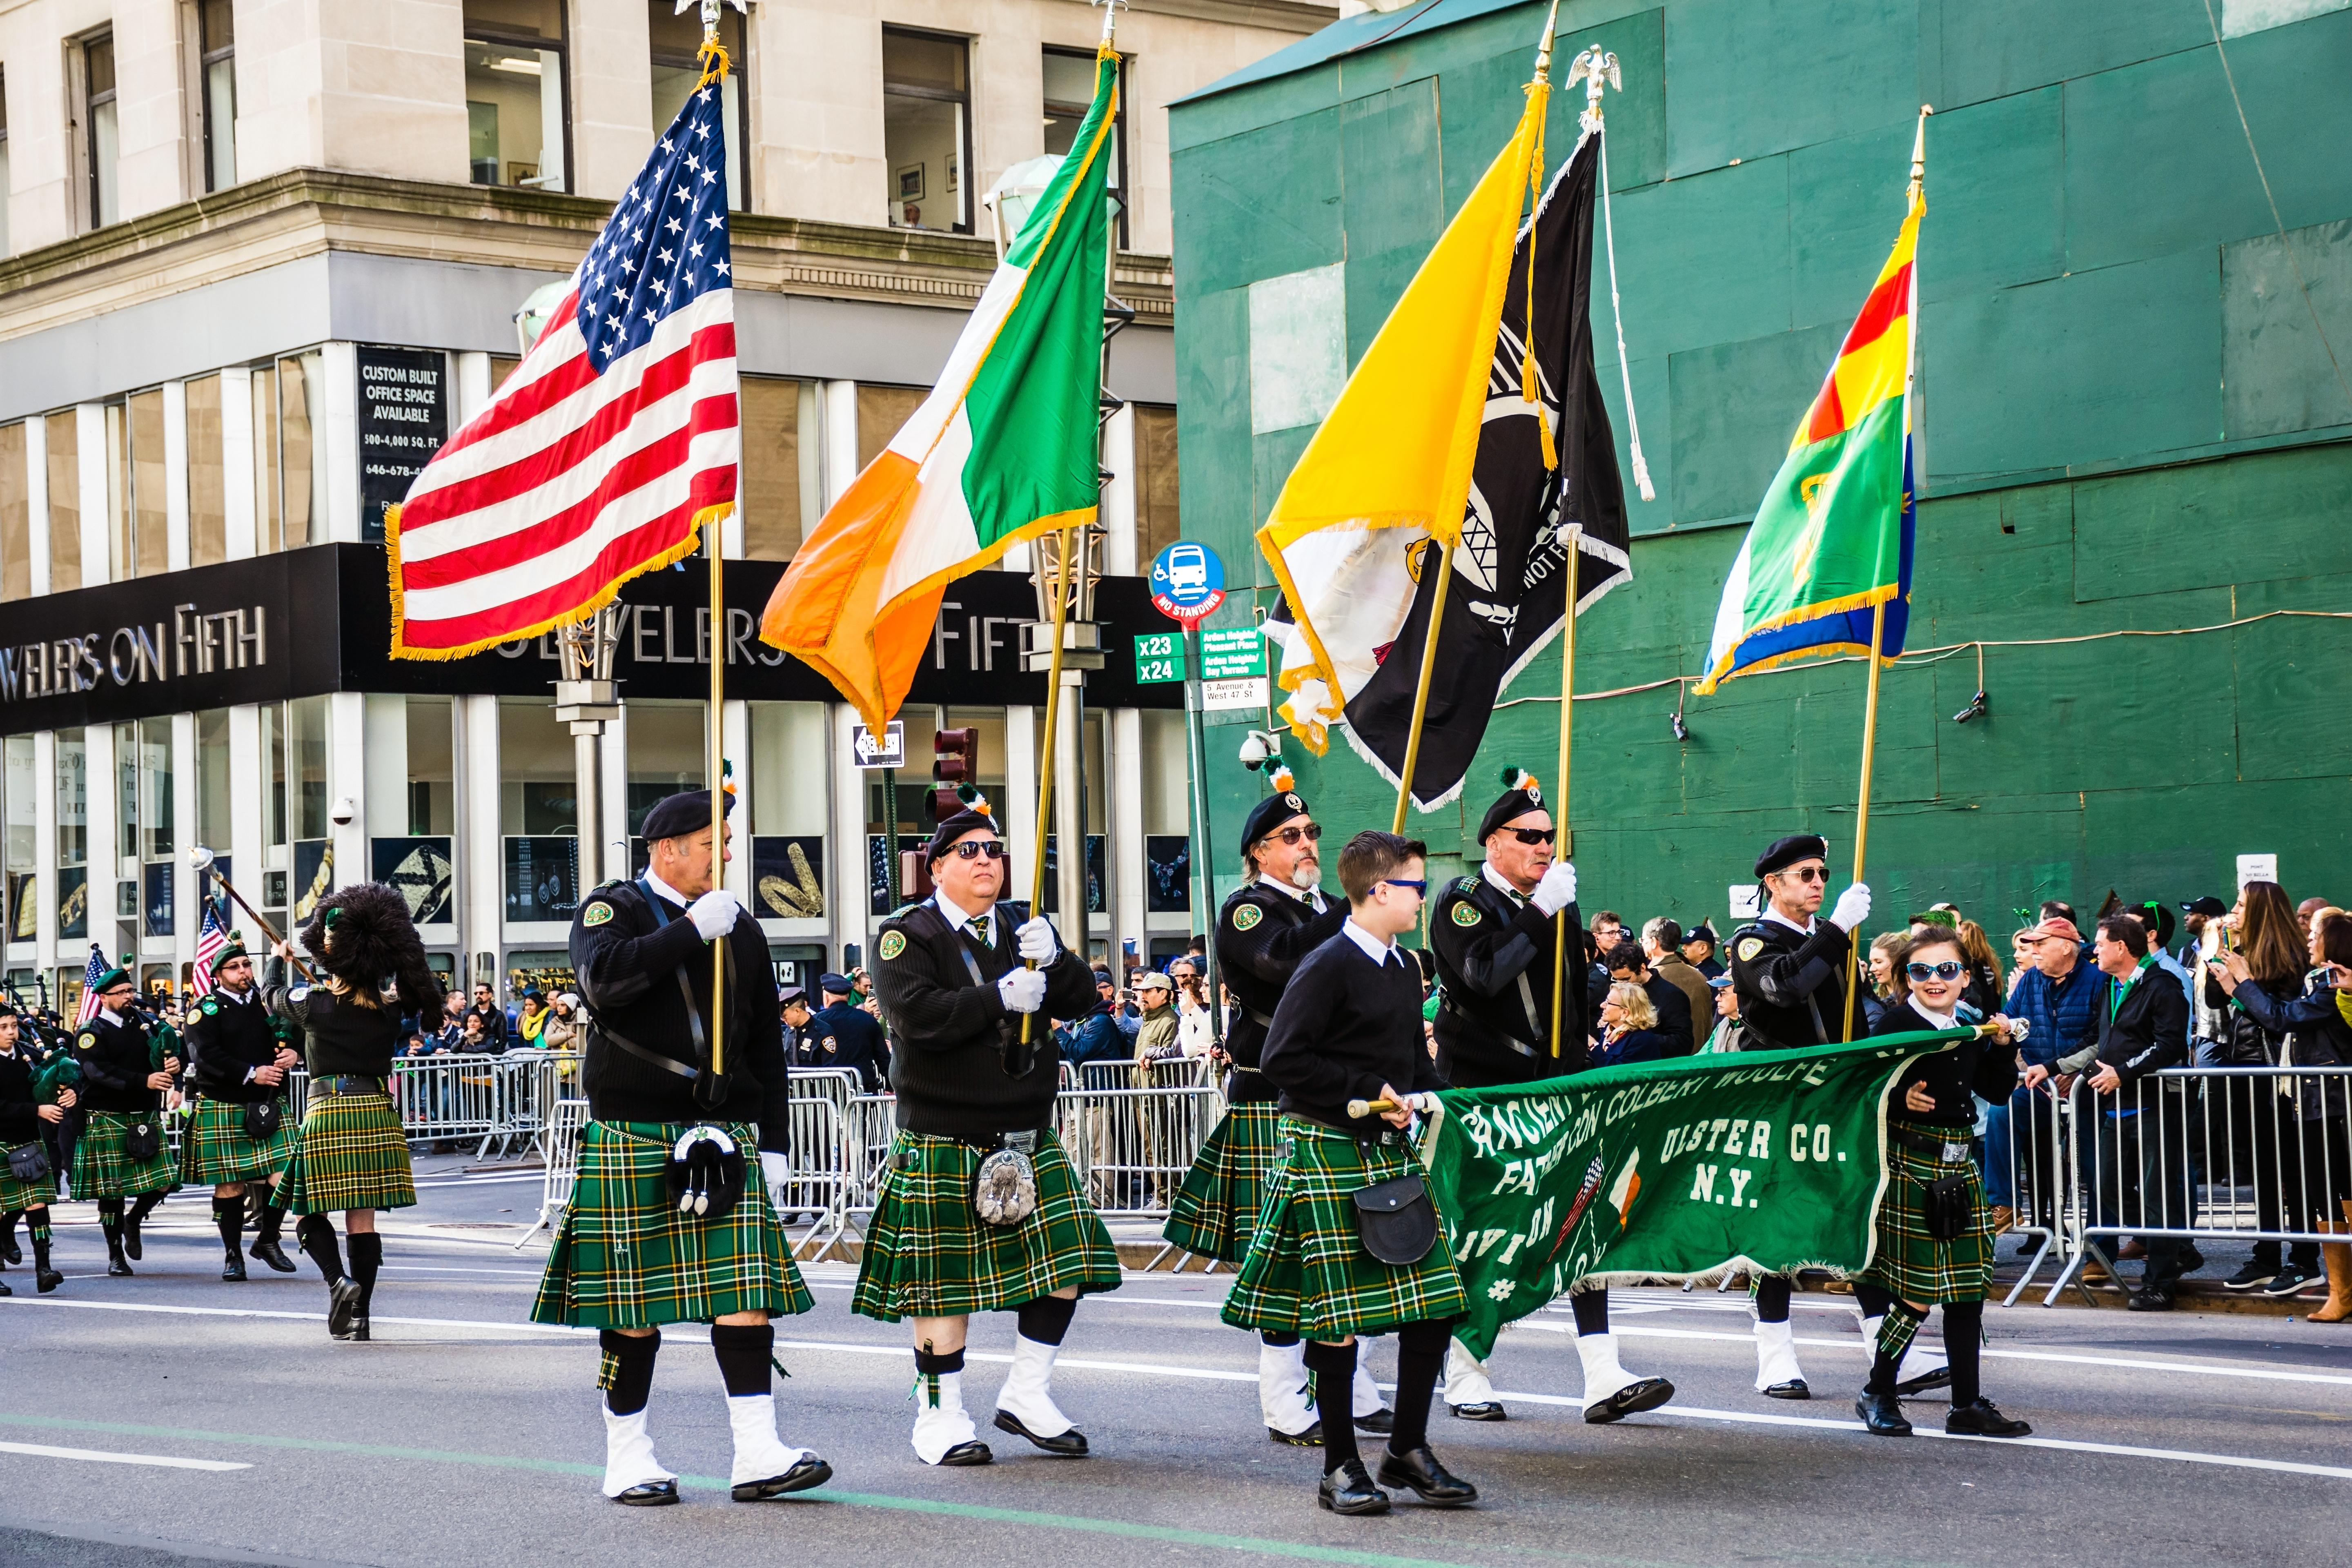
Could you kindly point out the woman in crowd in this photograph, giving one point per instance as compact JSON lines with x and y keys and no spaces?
{"x":2258,"y":1114}
{"x":1192,"y":1015}
{"x":1931,"y":1120}
{"x":1883,"y":991}
{"x":533,"y":1024}
{"x":562,"y":1029}
{"x":2317,"y":1027}
{"x":1629,"y":1025}
{"x":1986,"y":989}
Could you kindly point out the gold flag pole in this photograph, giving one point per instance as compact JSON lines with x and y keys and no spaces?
{"x":713,"y":540}
{"x":1053,"y":715}
{"x":1566,"y":731}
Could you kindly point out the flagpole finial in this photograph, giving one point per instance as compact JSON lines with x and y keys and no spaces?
{"x":1110,"y":18}
{"x":1543,"y":50}
{"x":1919,"y":153}
{"x":1597,"y":70}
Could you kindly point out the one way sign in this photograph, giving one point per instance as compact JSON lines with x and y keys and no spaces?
{"x":888,"y":751}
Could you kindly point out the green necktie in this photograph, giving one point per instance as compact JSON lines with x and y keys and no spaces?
{"x":980,"y":930}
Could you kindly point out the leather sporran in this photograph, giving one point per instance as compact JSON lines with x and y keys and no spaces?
{"x":262,"y":1119}
{"x":1944,"y":1207}
{"x":705,"y":1173}
{"x":1004,"y":1192}
{"x":1395,"y":1221}
{"x":141,"y":1141}
{"x":29,"y":1162}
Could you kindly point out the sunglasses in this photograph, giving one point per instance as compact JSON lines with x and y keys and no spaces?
{"x":1293,"y":834}
{"x":1948,"y":970}
{"x":1420,"y":889}
{"x":1808,"y":873}
{"x":980,"y":849}
{"x":1534,"y":835}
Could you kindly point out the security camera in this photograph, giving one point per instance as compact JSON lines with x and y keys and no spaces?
{"x":1254,"y":750}
{"x":344,"y":810}
{"x":1978,"y":705}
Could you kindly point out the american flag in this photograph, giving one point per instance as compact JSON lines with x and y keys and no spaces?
{"x":90,"y":979}
{"x":209,"y":942}
{"x":609,"y":445}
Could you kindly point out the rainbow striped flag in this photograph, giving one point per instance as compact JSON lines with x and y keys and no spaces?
{"x":1832,"y":537}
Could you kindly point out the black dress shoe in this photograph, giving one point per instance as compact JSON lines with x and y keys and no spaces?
{"x":1350,"y":1489}
{"x":1925,"y":1381}
{"x":1795,"y":1388}
{"x":131,"y":1247}
{"x":811,"y":1471}
{"x":649,"y":1494}
{"x":1881,"y":1414}
{"x":1382,"y":1421}
{"x":47,"y":1279}
{"x":1631,"y":1400}
{"x":116,"y":1267}
{"x":2192,"y":1260}
{"x":1419,"y":1470}
{"x":269,"y":1252}
{"x":1981,"y":1420}
{"x":1310,"y":1438}
{"x":342,"y":1307}
{"x":2150,"y":1298}
{"x":234,"y":1269}
{"x":1481,"y":1410}
{"x":359,"y":1327}
{"x":1070,"y":1444}
{"x":967,"y":1454}
{"x":12,"y":1252}
{"x":4,"y":1289}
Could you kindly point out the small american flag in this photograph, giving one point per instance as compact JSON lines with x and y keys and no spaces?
{"x":90,"y":979}
{"x":209,"y":942}
{"x":613,"y":440}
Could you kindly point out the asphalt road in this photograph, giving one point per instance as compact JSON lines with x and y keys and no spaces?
{"x":172,"y":1419}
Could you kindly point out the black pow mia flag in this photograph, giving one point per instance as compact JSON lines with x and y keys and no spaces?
{"x":1510,"y":582}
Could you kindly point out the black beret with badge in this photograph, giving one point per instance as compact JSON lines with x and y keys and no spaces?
{"x":1276,"y":809}
{"x":1520,"y":796}
{"x":682,"y":815}
{"x":1784,"y":853}
{"x":976,"y":815}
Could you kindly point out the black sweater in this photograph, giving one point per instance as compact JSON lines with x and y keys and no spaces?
{"x":115,"y":1061}
{"x":1792,"y":986}
{"x":2322,"y":1036}
{"x":953,"y":1036}
{"x":1494,"y":961}
{"x":226,"y":1036}
{"x":1262,"y":936}
{"x":342,"y":1038}
{"x":1955,"y":1075}
{"x":18,"y":1124}
{"x":1345,"y":1027}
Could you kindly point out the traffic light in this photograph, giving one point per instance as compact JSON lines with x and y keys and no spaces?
{"x":956,"y":754}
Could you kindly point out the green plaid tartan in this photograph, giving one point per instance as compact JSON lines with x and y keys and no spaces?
{"x":927,"y":1255}
{"x":351,"y":1155}
{"x":1908,"y":1261}
{"x":214,"y":1148}
{"x":625,"y":1259}
{"x":16,"y":1195}
{"x":1212,"y":1212}
{"x":103,"y":1168}
{"x":1307,"y":1273}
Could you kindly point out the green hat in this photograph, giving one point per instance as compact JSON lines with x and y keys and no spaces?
{"x":110,"y":979}
{"x":233,"y":948}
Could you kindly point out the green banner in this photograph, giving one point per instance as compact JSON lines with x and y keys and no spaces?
{"x":1665,"y":1171}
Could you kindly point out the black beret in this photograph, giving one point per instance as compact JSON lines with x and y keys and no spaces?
{"x":1787,"y":852}
{"x":8,"y":1010}
{"x":954,"y":829}
{"x":681,"y":815}
{"x":1270,"y":813}
{"x":1519,"y":797}
{"x":834,"y":984}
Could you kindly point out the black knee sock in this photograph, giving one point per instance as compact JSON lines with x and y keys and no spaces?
{"x":37,"y":1226}
{"x":367,"y":1256}
{"x":1047,"y":1319}
{"x":1421,"y":1360}
{"x":1873,"y":1299}
{"x":625,"y":1371}
{"x":110,"y":1220}
{"x":1278,"y":1340}
{"x":1591,"y":1309}
{"x":743,"y":1350}
{"x":146,"y":1203}
{"x":1895,"y":1335}
{"x":273,"y":1216}
{"x":1964,"y":1348}
{"x":8,"y":1230}
{"x":229,"y":1217}
{"x":1772,"y":1299}
{"x":315,"y":1233}
{"x":1333,"y":1367}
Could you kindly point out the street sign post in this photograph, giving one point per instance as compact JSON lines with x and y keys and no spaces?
{"x":1233,"y":667}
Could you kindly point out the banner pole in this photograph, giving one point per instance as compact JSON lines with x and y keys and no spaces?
{"x":1045,"y":767}
{"x":713,"y":536}
{"x":1862,"y":811}
{"x":1566,"y":732}
{"x":1420,"y":692}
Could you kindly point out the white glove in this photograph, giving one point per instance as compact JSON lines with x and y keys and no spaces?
{"x":714,"y":913}
{"x":1034,"y":941}
{"x":1852,"y":908}
{"x":776,"y":1168}
{"x":1557,"y":889}
{"x":1024,"y":991}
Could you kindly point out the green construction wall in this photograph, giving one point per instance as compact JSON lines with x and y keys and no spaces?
{"x":2128,"y":421}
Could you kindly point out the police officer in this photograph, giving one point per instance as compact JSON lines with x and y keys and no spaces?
{"x":121,"y":1154}
{"x":1494,"y":935}
{"x":670,"y":1220}
{"x":237,"y":1062}
{"x":1789,"y":970}
{"x":1275,"y":918}
{"x":980,"y":1210}
{"x":844,"y":1035}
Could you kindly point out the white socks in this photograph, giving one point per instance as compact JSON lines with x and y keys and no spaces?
{"x":1282,"y":1388}
{"x":1602,"y":1374}
{"x":629,"y":1453}
{"x":1775,"y":1354}
{"x":759,"y":1454}
{"x":1465,"y":1377}
{"x":1918,"y":1360}
{"x":943,"y":1425}
{"x":1364,"y":1399}
{"x":1027,"y":1394}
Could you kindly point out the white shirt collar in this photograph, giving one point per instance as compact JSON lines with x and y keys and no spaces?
{"x":1311,"y":897}
{"x":1376,"y":949}
{"x":108,"y":1013}
{"x":960,"y":916}
{"x":1496,"y":880}
{"x":1940,"y":1020}
{"x":665,"y":889}
{"x":1811,"y":926}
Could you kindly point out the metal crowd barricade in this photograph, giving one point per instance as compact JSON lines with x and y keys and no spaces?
{"x":565,"y":1120}
{"x":1131,"y":1147}
{"x":1168,"y":1072}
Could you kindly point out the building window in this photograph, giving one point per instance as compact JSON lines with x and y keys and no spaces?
{"x":676,"y":37}
{"x":207,"y":475}
{"x":73,"y":834}
{"x":881,"y":410}
{"x":781,"y":493}
{"x":3,"y":164}
{"x":1069,"y":93}
{"x":412,"y":801}
{"x":16,"y":514}
{"x":217,"y":44}
{"x":538,"y":811}
{"x":517,"y":129}
{"x":103,"y":129}
{"x":214,"y":781}
{"x":790,"y":810}
{"x":142,"y":753}
{"x":60,"y":436}
{"x":927,"y":130}
{"x":23,"y":788}
{"x":289,"y":484}
{"x":1157,"y":523}
{"x":138,"y":538}
{"x":666,"y":748}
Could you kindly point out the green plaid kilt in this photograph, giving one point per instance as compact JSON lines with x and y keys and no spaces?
{"x":214,"y":1148}
{"x":1307,"y":1273}
{"x":1912,"y":1264}
{"x":351,"y":1155}
{"x":1212,"y":1213}
{"x":103,"y":1168}
{"x":16,"y":1196}
{"x":625,"y":1259}
{"x":928,"y":1255}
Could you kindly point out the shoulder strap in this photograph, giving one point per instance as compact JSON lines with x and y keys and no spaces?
{"x":685,"y":987}
{"x":955,"y":936}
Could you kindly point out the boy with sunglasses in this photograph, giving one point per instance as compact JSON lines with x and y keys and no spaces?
{"x":957,"y":973}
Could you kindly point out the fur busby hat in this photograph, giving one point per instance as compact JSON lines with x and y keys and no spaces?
{"x":1521,"y":794}
{"x":976,"y":815}
{"x":363,"y":936}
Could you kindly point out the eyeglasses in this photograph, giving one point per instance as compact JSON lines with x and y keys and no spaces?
{"x":1808,"y":873}
{"x":1420,"y":889}
{"x":1294,"y":833}
{"x":1948,"y":970}
{"x":1534,"y":835}
{"x":980,"y":849}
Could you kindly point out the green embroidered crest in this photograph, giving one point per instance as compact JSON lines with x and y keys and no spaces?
{"x":893,"y":943}
{"x":597,"y":913}
{"x":89,"y":1039}
{"x":1465,"y":913}
{"x":1749,"y":948}
{"x":210,"y":1007}
{"x":1247,"y":917}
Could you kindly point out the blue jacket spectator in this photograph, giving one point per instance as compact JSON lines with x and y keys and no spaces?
{"x":1097,"y":1037}
{"x":2059,"y":997}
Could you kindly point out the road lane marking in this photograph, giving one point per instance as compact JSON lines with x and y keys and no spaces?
{"x":106,"y":1456}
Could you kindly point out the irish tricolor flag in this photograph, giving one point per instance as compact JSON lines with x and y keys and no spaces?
{"x":1003,"y":450}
